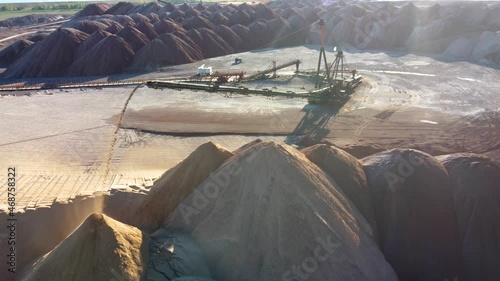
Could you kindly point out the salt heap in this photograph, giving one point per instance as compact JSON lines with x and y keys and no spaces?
{"x":177,"y":183}
{"x":476,"y":193}
{"x":488,"y":47}
{"x":348,"y":174}
{"x":270,"y":214}
{"x":412,"y":197}
{"x":99,"y":249}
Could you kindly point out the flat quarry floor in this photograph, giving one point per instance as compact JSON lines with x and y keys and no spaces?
{"x":65,"y":143}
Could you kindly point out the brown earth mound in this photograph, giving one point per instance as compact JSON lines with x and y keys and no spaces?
{"x":91,"y":41}
{"x":133,"y":37}
{"x":114,"y":27}
{"x":260,"y":32}
{"x":271,"y":214}
{"x":206,"y":13}
{"x":281,"y":31}
{"x":153,"y":17}
{"x":165,"y":50}
{"x":110,"y":55}
{"x":218,"y":18}
{"x":229,"y":9}
{"x":348,"y":174}
{"x":138,"y":18}
{"x":476,"y":196}
{"x":167,"y":26}
{"x":197,"y":22}
{"x":147,"y":29}
{"x":51,"y":57}
{"x":176,"y":15}
{"x":229,"y":36}
{"x":99,"y":249}
{"x":87,"y":26}
{"x":178,"y":183}
{"x":287,"y":13}
{"x":14,"y":51}
{"x":215,"y":8}
{"x":412,"y":197}
{"x":200,"y":7}
{"x":108,"y":21}
{"x":92,"y":10}
{"x":121,"y":8}
{"x":137,"y":9}
{"x":244,"y":33}
{"x":312,"y":16}
{"x":190,"y":42}
{"x":184,"y":7}
{"x":239,"y":17}
{"x":192,"y":13}
{"x":300,"y":27}
{"x":39,"y":36}
{"x":263,"y":12}
{"x":168,"y":8}
{"x":212,"y":44}
{"x":195,"y":35}
{"x":124,"y":20}
{"x":151,"y":7}
{"x":247,"y":8}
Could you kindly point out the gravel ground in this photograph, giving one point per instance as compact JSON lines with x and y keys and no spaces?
{"x":60,"y":141}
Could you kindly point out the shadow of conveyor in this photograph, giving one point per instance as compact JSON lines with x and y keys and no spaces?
{"x":314,"y":124}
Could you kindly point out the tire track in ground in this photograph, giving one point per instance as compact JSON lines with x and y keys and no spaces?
{"x":116,"y":133}
{"x":53,"y":135}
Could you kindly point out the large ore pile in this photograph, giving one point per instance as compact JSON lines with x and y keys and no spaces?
{"x":268,"y":211}
{"x":458,"y":30}
{"x":152,"y":35}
